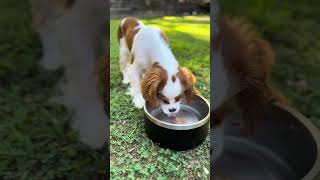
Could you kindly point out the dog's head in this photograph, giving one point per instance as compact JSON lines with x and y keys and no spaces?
{"x":160,"y":89}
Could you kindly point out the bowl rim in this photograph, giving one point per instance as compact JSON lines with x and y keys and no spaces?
{"x":179,"y":126}
{"x":314,"y":171}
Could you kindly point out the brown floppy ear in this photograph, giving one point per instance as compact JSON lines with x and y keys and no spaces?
{"x":188,"y":80}
{"x":153,"y":81}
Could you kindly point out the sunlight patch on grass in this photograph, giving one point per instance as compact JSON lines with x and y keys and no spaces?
{"x":193,"y":18}
{"x":170,"y":18}
{"x":198,"y":18}
{"x":198,"y":32}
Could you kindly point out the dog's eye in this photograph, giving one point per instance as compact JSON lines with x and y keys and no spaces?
{"x":177,"y":98}
{"x":166,"y":102}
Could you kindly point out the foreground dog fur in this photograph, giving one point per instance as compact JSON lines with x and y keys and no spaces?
{"x":242,"y":63}
{"x":244,"y":69}
{"x":73,"y":35}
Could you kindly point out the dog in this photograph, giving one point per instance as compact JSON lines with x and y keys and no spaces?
{"x":145,"y":51}
{"x":243,"y":76}
{"x":242,"y":62}
{"x":73,"y":35}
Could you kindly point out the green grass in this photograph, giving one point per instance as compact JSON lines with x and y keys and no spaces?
{"x":132,"y":154}
{"x":36,"y":139}
{"x":292,"y":27}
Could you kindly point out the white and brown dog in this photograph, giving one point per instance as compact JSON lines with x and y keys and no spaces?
{"x":73,"y":34}
{"x":148,"y":64}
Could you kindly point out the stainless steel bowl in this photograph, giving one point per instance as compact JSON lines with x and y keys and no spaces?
{"x":186,"y":131}
{"x":285,"y":145}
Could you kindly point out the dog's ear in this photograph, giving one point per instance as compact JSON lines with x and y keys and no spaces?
{"x":153,"y":81}
{"x":188,"y":81}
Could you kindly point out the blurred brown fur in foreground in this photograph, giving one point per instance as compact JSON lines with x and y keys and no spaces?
{"x":248,"y":59}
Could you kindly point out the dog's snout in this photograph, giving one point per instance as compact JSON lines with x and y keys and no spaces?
{"x":172,"y":110}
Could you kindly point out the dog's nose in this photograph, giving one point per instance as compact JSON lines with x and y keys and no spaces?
{"x":172,"y":110}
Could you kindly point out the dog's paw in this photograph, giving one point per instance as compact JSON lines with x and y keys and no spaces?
{"x":138,"y":101}
{"x":91,"y":122}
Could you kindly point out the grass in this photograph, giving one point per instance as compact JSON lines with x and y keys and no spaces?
{"x":36,"y":139}
{"x":132,"y":154}
{"x":292,"y":29}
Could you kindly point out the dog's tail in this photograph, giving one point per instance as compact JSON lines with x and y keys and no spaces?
{"x":250,"y":58}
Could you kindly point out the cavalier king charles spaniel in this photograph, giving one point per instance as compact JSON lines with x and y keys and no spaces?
{"x":242,"y":74}
{"x":148,"y":64}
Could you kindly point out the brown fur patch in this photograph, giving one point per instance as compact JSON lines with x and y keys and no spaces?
{"x":153,"y":81}
{"x":188,"y":80}
{"x":131,"y":58}
{"x":120,"y":33}
{"x":162,"y":97}
{"x":249,"y":57}
{"x":164,"y":37}
{"x":174,"y":78}
{"x":128,"y":30}
{"x":178,"y":98}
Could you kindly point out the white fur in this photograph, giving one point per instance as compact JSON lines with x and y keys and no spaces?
{"x":75,"y":39}
{"x":149,"y":47}
{"x":171,"y":90}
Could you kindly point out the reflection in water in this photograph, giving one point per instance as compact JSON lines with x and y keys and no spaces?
{"x":186,"y":115}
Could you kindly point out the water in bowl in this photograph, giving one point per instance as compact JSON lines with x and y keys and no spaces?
{"x":186,"y":115}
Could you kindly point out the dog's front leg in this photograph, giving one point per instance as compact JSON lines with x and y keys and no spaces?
{"x":124,"y":60}
{"x":134,"y":73}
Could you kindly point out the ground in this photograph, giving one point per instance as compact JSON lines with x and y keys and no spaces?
{"x":132,"y":154}
{"x":36,"y":139}
{"x":292,"y":28}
